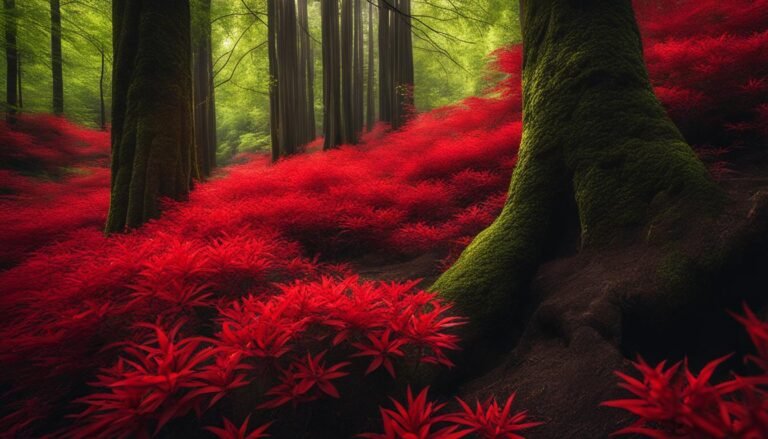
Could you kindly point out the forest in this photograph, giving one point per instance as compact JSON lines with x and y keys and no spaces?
{"x":384,"y":219}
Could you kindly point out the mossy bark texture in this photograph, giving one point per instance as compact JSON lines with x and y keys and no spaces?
{"x":595,"y":137}
{"x":152,"y":122}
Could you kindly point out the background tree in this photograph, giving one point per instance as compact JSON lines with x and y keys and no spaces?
{"x":204,"y":97}
{"x":396,"y":70}
{"x":152,"y":117}
{"x":57,"y":69}
{"x":11,"y":59}
{"x":306,"y":76}
{"x":370,"y":117}
{"x":332,"y":125}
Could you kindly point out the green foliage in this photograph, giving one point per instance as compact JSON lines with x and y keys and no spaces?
{"x":86,"y":34}
{"x":452,"y":39}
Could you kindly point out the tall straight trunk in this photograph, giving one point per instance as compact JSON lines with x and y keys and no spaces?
{"x":11,"y":60}
{"x":359,"y":78}
{"x":152,"y":109}
{"x":205,"y":110}
{"x":396,"y":76}
{"x":21,"y":90}
{"x":385,"y":62}
{"x":56,"y":59}
{"x":287,"y":108}
{"x":274,"y":119}
{"x":306,"y":74}
{"x":598,"y":150}
{"x":370,"y":97}
{"x":102,"y":105}
{"x":332,"y":127}
{"x":403,"y":66}
{"x":349,"y":134}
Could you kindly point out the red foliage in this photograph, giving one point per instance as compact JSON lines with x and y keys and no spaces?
{"x":672,"y":402}
{"x":421,"y":419}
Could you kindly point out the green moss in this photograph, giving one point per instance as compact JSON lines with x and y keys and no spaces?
{"x":594,"y":132}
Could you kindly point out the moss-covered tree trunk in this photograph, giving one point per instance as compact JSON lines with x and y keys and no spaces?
{"x":598,"y":152}
{"x":152,"y":119}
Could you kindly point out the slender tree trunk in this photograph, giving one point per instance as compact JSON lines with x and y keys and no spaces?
{"x":289,"y":105}
{"x":306,"y":74}
{"x":102,"y":105}
{"x":349,"y":136}
{"x":205,"y":113}
{"x":332,"y":126}
{"x":11,"y":60}
{"x":596,"y":143}
{"x":402,"y":65}
{"x":385,"y":62}
{"x":359,"y":77}
{"x":56,"y":59}
{"x":274,"y":119}
{"x":371,"y":98}
{"x":21,"y":90}
{"x":152,"y":115}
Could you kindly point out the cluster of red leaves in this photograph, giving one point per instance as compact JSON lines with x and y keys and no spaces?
{"x":297,"y":344}
{"x":708,"y":60}
{"x":420,"y":418}
{"x":672,"y":402}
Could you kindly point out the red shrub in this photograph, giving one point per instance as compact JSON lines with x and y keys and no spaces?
{"x":672,"y":402}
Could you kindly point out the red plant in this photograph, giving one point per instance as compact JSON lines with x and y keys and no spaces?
{"x":672,"y":402}
{"x":420,"y":419}
{"x":231,"y":431}
{"x":490,"y":421}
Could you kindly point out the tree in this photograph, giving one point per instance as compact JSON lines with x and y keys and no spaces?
{"x":204,"y":97}
{"x":396,"y":71}
{"x":11,"y":59}
{"x":56,"y":59}
{"x":306,"y":76}
{"x":598,"y":153}
{"x":370,"y":117}
{"x":332,"y":126}
{"x":152,"y":116}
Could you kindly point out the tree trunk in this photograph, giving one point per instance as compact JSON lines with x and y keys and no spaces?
{"x":371,"y":98}
{"x":152,"y":115}
{"x":385,"y":62}
{"x":11,"y":60}
{"x":56,"y":59}
{"x":306,"y":77}
{"x":597,"y":148}
{"x":349,"y":135}
{"x":102,"y":105}
{"x":396,"y":75}
{"x":289,"y":105}
{"x":21,"y":89}
{"x":332,"y":126}
{"x":205,"y":110}
{"x":274,"y":119}
{"x":359,"y":83}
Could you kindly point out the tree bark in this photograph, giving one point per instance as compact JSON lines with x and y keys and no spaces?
{"x":370,"y":118}
{"x":205,"y":106}
{"x":349,"y":134}
{"x":289,"y":104}
{"x":597,"y":147}
{"x":332,"y":125}
{"x":306,"y":88}
{"x":56,"y":59}
{"x":11,"y":60}
{"x":152,"y":115}
{"x":396,"y":74}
